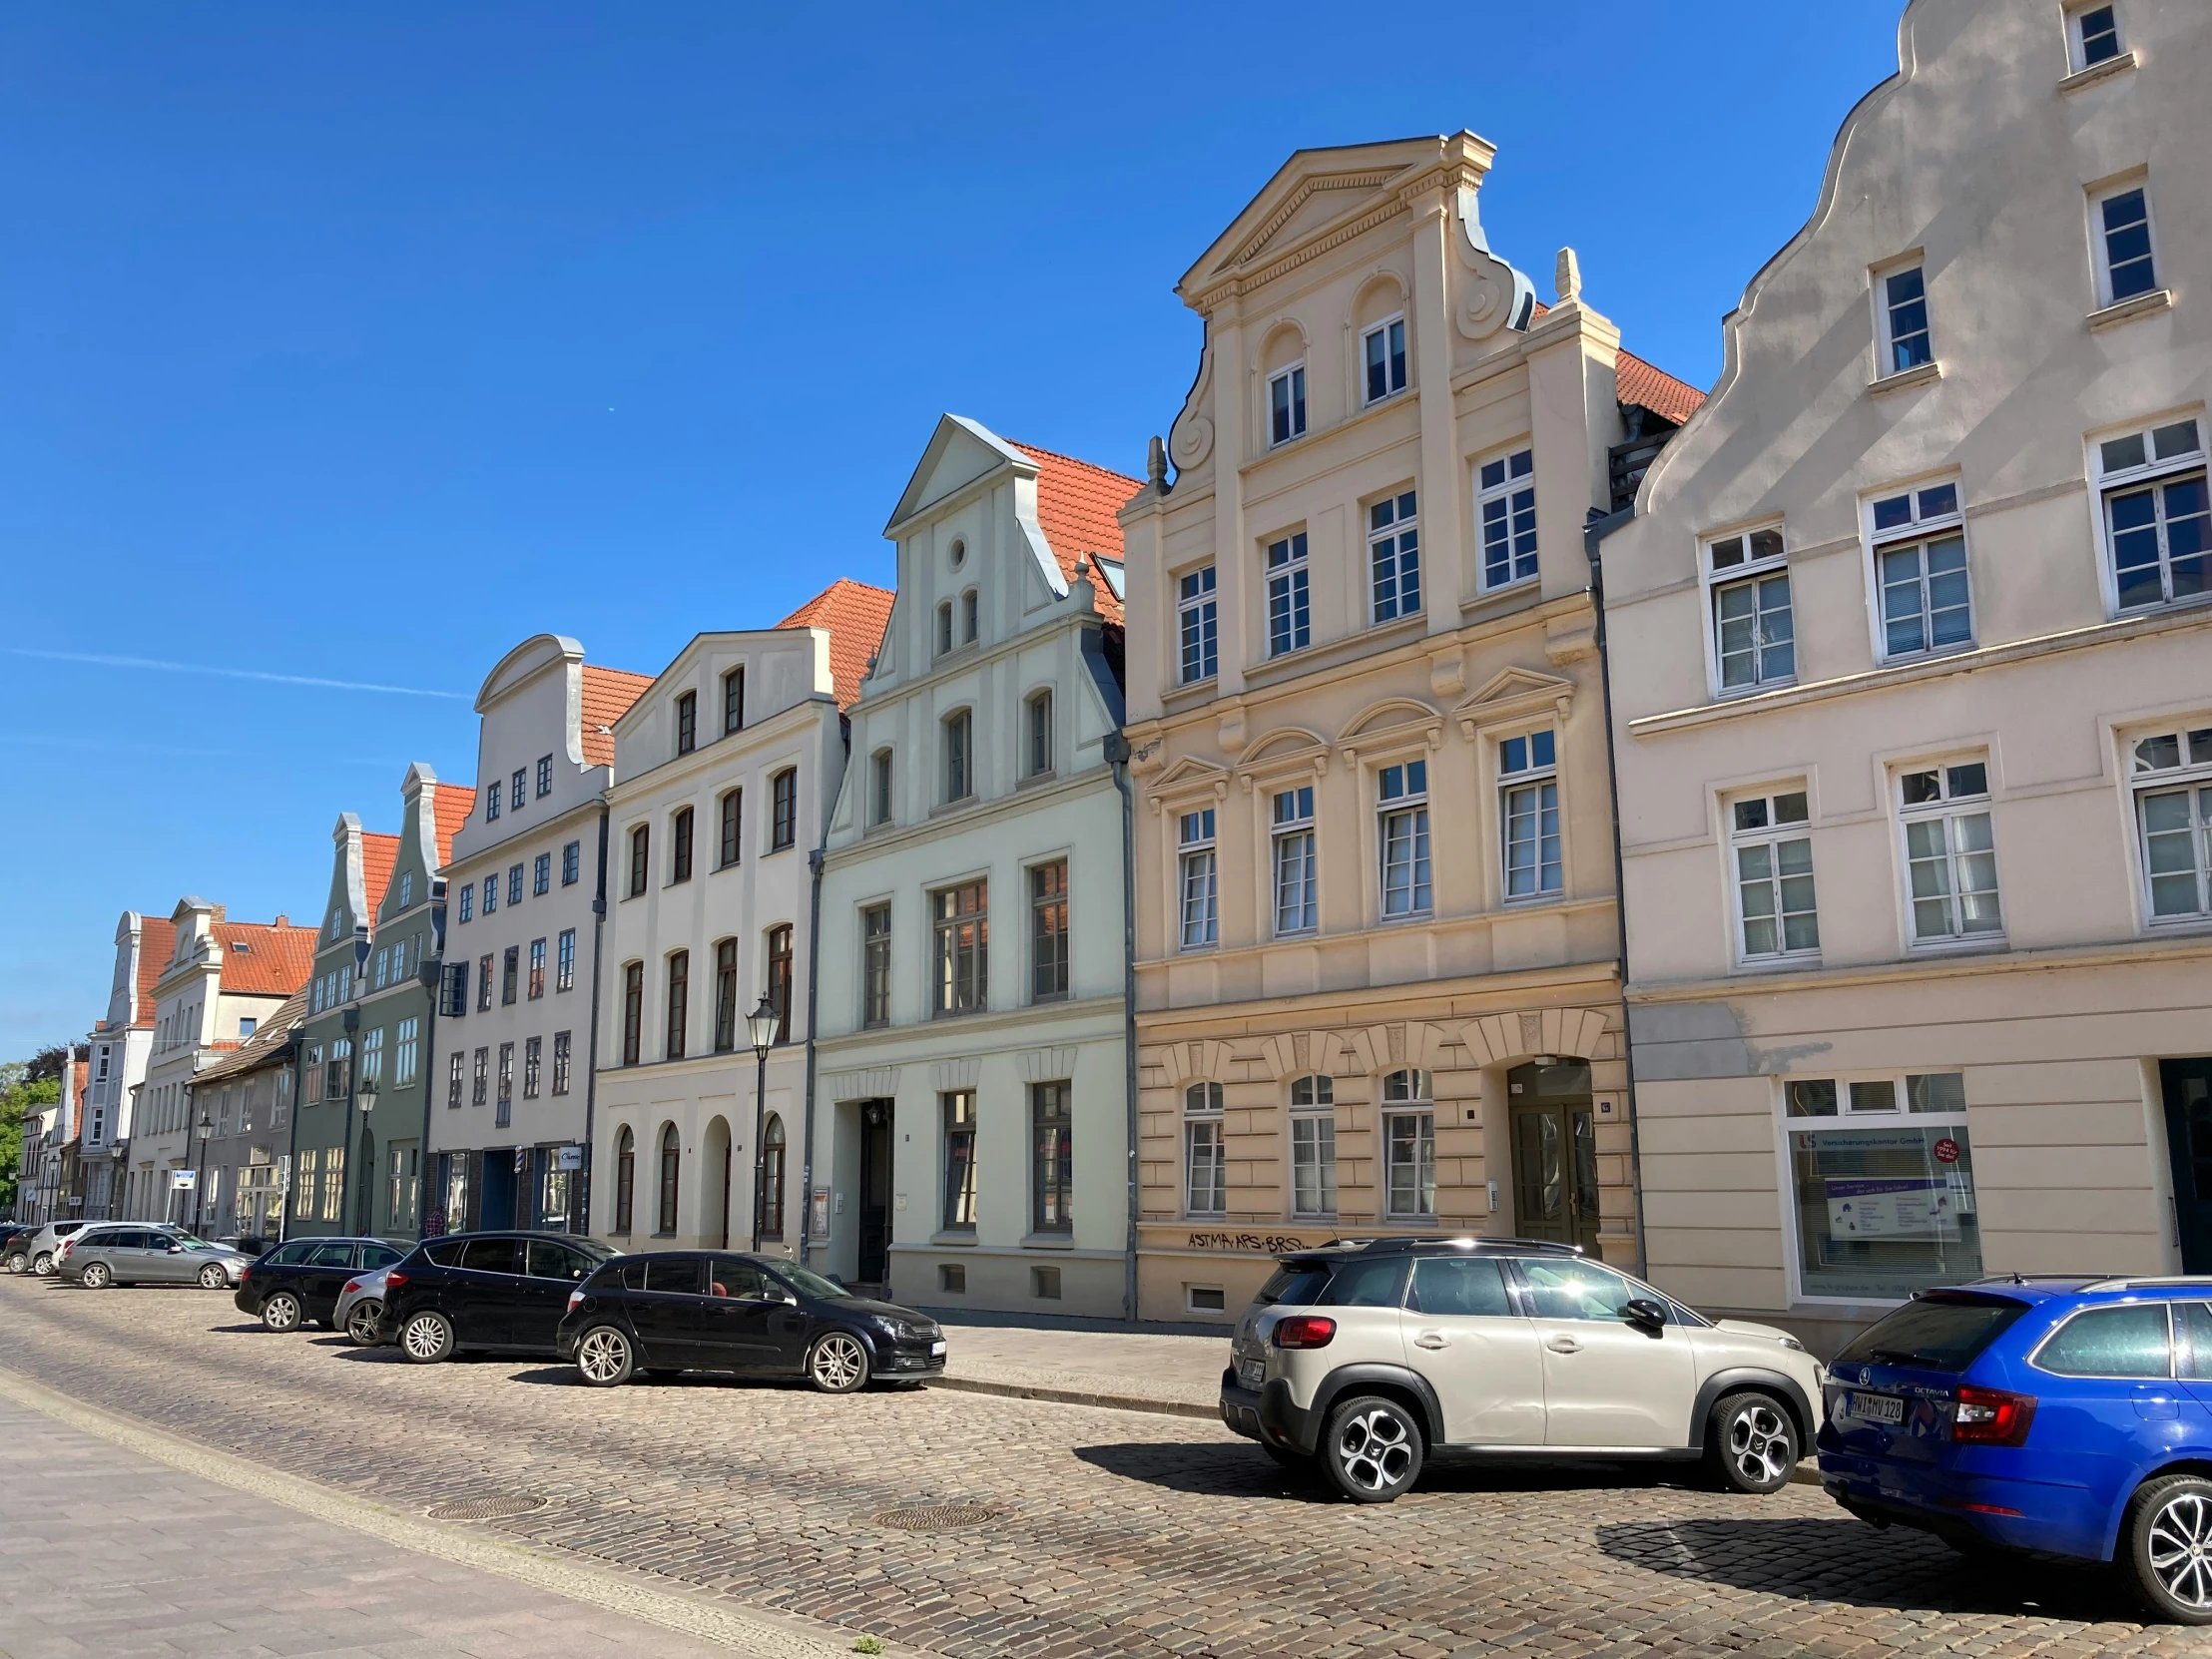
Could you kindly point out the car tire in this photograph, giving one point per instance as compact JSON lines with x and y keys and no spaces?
{"x":605,"y":1356}
{"x":426,"y":1338}
{"x":1372,"y":1448}
{"x":837,"y":1364}
{"x":280,"y":1312}
{"x":1753,"y":1444}
{"x":213,"y":1277}
{"x":360,"y":1324}
{"x":2165,"y":1548}
{"x":15,"y":1263}
{"x":98,"y":1276}
{"x":42,"y":1265}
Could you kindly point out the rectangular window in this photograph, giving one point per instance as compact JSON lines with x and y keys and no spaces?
{"x":334,"y":1182}
{"x":1883,"y":1176}
{"x":725,"y":996}
{"x":1198,"y":626}
{"x":1382,"y":349}
{"x":398,"y":972}
{"x":2171,"y":775}
{"x":468,"y":900}
{"x":733,"y":701}
{"x":1773,"y":857}
{"x":962,"y":926}
{"x":1402,"y":837}
{"x":875,"y":965}
{"x":545,"y":774}
{"x":679,"y":845}
{"x":784,"y":811}
{"x":1289,"y":612}
{"x":1906,"y":339}
{"x":521,"y":777}
{"x":1506,"y":505}
{"x":564,"y":961}
{"x":454,"y":1072}
{"x":480,"y":1083}
{"x":2152,"y":485}
{"x":1201,"y":882}
{"x":640,"y":859}
{"x":490,"y":888}
{"x":1314,"y":1146}
{"x":1919,"y":555}
{"x":537,"y":969}
{"x":510,"y":973}
{"x":1408,"y":1146}
{"x":686,"y":722}
{"x":1949,"y":855}
{"x":2094,"y":36}
{"x":959,"y":756}
{"x":383,"y":967}
{"x":1037,"y":715}
{"x":679,"y":1002}
{"x":879,"y":788}
{"x":633,"y":1011}
{"x":483,"y":984}
{"x":541,"y":874}
{"x":1297,"y":907}
{"x":968,"y":617}
{"x":1528,"y":811}
{"x":514,"y":885}
{"x":730,"y":810}
{"x":372,"y":1056}
{"x":492,"y":801}
{"x":503,"y":1113}
{"x":1394,"y":557}
{"x":1051,"y":1159}
{"x":405,"y":1051}
{"x":959,"y":1109}
{"x":532,"y":1050}
{"x":2123,"y":245}
{"x":1205,"y":1153}
{"x":1754,"y":638}
{"x":560,"y":1062}
{"x":779,"y":979}
{"x":1287,"y":404}
{"x":572,"y":863}
{"x":1048,"y":931}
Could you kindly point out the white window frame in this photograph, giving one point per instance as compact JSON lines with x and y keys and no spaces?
{"x":2189,"y":775}
{"x":1537,"y":779}
{"x":1928,"y":520}
{"x":1290,"y":379}
{"x":1400,"y":535}
{"x":1197,"y":626}
{"x":1505,"y":501}
{"x":1290,"y":580}
{"x":1314,"y":1110}
{"x":942,"y":639}
{"x":1885,"y":307}
{"x":1291,"y":837}
{"x":1196,"y":881}
{"x":1411,"y":802}
{"x":1773,"y":829}
{"x":2100,"y":248}
{"x":1040,"y":749}
{"x":1754,"y":562}
{"x":1956,"y":803}
{"x":2157,"y":473}
{"x":2077,"y":47}
{"x":1201,"y":1112}
{"x":1417,"y":1108}
{"x":957,"y":756}
{"x":1401,"y":359}
{"x":882,"y":775}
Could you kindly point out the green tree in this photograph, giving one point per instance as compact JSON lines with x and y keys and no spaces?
{"x":25,"y":1086}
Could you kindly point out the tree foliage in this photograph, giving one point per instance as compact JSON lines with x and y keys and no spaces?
{"x":25,"y":1087}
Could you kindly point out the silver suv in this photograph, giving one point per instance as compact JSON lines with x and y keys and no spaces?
{"x":1371,"y":1357}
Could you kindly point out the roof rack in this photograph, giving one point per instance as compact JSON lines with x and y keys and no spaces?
{"x":2148,"y":1281}
{"x":1466,"y":1241}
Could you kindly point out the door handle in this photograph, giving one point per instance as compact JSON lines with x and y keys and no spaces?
{"x":1431,"y":1339}
{"x":1564,"y":1345}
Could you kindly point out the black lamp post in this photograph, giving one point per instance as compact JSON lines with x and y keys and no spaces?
{"x":205,"y":1128}
{"x":761,"y":1026}
{"x":366,"y":1093}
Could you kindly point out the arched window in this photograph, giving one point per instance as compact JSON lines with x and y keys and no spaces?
{"x":1037,"y":735}
{"x":640,"y":859}
{"x":969,"y":615}
{"x":672,"y":1158}
{"x":959,"y":755}
{"x":944,"y":644}
{"x":771,"y":1178}
{"x":1409,"y":1145}
{"x":1204,"y":1151}
{"x":626,"y":1179}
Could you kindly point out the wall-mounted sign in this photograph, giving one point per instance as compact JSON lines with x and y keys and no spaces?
{"x":184,"y":1179}
{"x":568,"y":1157}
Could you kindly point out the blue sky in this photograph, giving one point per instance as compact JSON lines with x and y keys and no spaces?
{"x":355,"y":345}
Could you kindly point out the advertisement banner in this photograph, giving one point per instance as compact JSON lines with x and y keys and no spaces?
{"x":1897,"y":1209}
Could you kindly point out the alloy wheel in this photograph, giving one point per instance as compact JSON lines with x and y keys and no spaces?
{"x":42,"y":1265}
{"x":2181,"y":1549}
{"x":360,"y":1324}
{"x":837,"y":1366}
{"x":213,"y":1277}
{"x":280,"y":1311}
{"x":1760,"y":1445}
{"x":96,"y":1276}
{"x":603,"y":1355}
{"x":1373,"y":1448}
{"x":425,"y":1339}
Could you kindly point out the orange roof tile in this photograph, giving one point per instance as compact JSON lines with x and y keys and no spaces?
{"x":452,"y":803}
{"x":856,"y":612}
{"x":378,"y":855}
{"x":608,"y":694}
{"x":261,"y":959}
{"x":1636,"y":381}
{"x":157,"y":943}
{"x":1076,"y":504}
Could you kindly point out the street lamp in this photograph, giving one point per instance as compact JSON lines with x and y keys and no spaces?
{"x":366,"y":1093}
{"x":205,"y":1128}
{"x":761,"y":1026}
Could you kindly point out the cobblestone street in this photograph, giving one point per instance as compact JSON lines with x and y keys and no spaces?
{"x":1105,"y":1531}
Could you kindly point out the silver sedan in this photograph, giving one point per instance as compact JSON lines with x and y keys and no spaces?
{"x":360,"y":1304}
{"x":108,"y":1255}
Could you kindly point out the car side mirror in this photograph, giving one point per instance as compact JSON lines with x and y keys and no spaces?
{"x":1645,"y":1314}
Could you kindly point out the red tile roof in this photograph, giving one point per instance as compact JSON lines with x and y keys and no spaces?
{"x":608,"y":694}
{"x":452,"y":803}
{"x":1076,"y":504}
{"x":157,"y":943}
{"x":1636,"y":381}
{"x":378,"y":855}
{"x":261,"y":959}
{"x":855,"y":613}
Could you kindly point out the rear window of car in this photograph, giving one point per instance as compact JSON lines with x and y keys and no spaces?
{"x":444,"y":1251}
{"x":1366,"y":1283}
{"x":1297,"y":1286}
{"x":2110,"y":1342}
{"x":1935,"y":1332}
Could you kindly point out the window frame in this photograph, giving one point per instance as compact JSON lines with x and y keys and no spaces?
{"x":1198,"y":625}
{"x":1753,"y":569}
{"x":1537,"y":776}
{"x":534,"y":984}
{"x":956,"y":756}
{"x":1297,"y":835}
{"x":1887,"y":335}
{"x":1289,"y":578}
{"x":641,"y":860}
{"x":1946,"y":808}
{"x":732,"y":700}
{"x":2101,"y":232}
{"x":875,"y":965}
{"x":725,"y":996}
{"x":687,"y":722}
{"x":633,"y":1012}
{"x":1770,"y":834}
{"x":564,"y":962}
{"x":1291,"y":422}
{"x":1506,"y":495}
{"x":680,"y":848}
{"x":956,"y":1140}
{"x":1051,"y":950}
{"x":1417,"y":1107}
{"x":1317,"y":1111}
{"x":1411,"y":802}
{"x":960,"y":972}
{"x":2157,"y":474}
{"x":2190,"y":777}
{"x":1204,"y":1124}
{"x":1398,"y":359}
{"x":779,"y":976}
{"x":882,"y":784}
{"x":1197,"y":856}
{"x":730,"y":828}
{"x":783,"y":800}
{"x":676,"y":1027}
{"x":1051,"y":1162}
{"x":1399,"y":533}
{"x":1038,"y":735}
{"x":2077,"y":40}
{"x":1925,"y":525}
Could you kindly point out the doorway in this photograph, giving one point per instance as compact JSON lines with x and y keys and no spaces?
{"x":874,"y":1265}
{"x":1554,"y":1130}
{"x":2187,"y":1088}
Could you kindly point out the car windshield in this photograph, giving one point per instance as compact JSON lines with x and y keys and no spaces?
{"x":1937,"y":1332}
{"x":809,"y":1282}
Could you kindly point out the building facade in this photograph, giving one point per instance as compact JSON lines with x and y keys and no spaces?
{"x":1911,"y":664}
{"x":970,"y":1139}
{"x":247,"y":1096}
{"x":1377,"y":944}
{"x":115,"y":1056}
{"x":725,"y":772}
{"x":511,"y":1114}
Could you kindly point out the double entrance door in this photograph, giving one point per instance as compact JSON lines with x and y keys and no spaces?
{"x":874,"y":1265}
{"x":1554,"y":1130}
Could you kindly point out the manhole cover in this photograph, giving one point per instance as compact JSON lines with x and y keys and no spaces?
{"x":487,"y":1508}
{"x":937,"y":1517}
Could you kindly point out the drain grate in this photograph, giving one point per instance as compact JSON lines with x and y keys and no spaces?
{"x":937,"y":1517}
{"x":488,"y":1509}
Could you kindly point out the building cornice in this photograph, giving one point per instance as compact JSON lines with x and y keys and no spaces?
{"x":967,"y":1031}
{"x":2189,"y":946}
{"x":1358,"y":1007}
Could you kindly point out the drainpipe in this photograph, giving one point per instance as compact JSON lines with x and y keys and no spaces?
{"x":299,"y":1036}
{"x":591,"y":1041}
{"x":1117,"y":756}
{"x":1592,"y":534}
{"x":815,"y":862}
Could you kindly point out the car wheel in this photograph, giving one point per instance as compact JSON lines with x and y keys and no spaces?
{"x":213,"y":1277}
{"x":1371,"y":1449}
{"x":837,"y":1364}
{"x":2166,"y":1544}
{"x":1755,"y":1444}
{"x":604,"y":1357}
{"x":426,"y":1338}
{"x":280,"y":1312}
{"x":43,"y":1264}
{"x":97,"y":1276}
{"x":15,"y":1263}
{"x":360,"y":1324}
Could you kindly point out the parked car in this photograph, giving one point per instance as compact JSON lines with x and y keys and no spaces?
{"x":10,"y":1231}
{"x":485,"y":1291}
{"x":2067,"y":1416}
{"x":34,"y":1250}
{"x":361,"y":1306}
{"x":1372,"y":1357}
{"x":756,"y":1316}
{"x":298,"y":1282}
{"x":139,"y":1253}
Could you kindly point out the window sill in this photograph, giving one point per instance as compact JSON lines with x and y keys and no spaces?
{"x":957,"y":1237}
{"x":2097,"y":72}
{"x":1736,"y":694}
{"x":2124,"y":310}
{"x":1920,"y":375}
{"x":1048,"y":1241}
{"x":1780,"y":964}
{"x":958,"y":1013}
{"x":946,"y":809}
{"x":1048,"y":775}
{"x":1186,"y":693}
{"x":1979,"y":944}
{"x":1207,"y":949}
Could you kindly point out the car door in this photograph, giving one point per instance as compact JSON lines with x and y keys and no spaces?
{"x":735,"y":1331}
{"x":551,"y":1269}
{"x":482,"y":1295}
{"x":324,"y":1274}
{"x":1480,"y":1353}
{"x":166,"y":1261}
{"x":666,"y":1298}
{"x":1607,"y":1383}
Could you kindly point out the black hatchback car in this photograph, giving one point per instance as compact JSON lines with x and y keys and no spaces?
{"x":299,"y":1282}
{"x":757,"y":1315}
{"x":500,"y":1292}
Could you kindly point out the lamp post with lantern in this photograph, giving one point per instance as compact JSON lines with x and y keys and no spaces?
{"x":205,"y":1129}
{"x":760,"y":1025}
{"x":367,"y":1091}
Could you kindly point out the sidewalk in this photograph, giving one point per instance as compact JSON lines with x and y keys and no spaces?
{"x":1170,"y":1368}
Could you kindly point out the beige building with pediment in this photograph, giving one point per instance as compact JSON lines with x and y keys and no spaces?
{"x":1377,"y":941}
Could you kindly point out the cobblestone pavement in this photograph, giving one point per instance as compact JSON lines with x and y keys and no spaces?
{"x":1109,"y":1531}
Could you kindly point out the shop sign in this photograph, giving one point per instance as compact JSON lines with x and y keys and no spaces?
{"x":1897,"y":1209}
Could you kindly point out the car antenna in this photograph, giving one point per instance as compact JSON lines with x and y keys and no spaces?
{"x":2017,"y":1279}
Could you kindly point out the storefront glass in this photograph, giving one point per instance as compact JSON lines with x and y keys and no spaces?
{"x":1883,"y":1173}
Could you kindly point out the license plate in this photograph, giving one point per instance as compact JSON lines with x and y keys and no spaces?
{"x":1875,"y":1407}
{"x":936,"y":1351}
{"x":1252,"y":1373}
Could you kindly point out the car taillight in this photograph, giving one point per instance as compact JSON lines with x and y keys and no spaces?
{"x":1305,"y":1330}
{"x":395,"y":1280}
{"x":351,"y":1285}
{"x":574,"y":1297}
{"x":1991,"y":1417}
{"x":245,"y":1273}
{"x":67,"y":1245}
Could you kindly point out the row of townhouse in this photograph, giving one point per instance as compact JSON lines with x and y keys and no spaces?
{"x":1491,"y":786}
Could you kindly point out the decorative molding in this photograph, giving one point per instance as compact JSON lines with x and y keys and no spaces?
{"x":1190,"y":438}
{"x":873,"y":1083}
{"x":1046,"y":1065}
{"x":2097,"y":72}
{"x":1513,"y":694}
{"x":947,"y":1075}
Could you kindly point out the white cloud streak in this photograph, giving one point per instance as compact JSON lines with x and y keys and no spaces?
{"x":229,"y":672}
